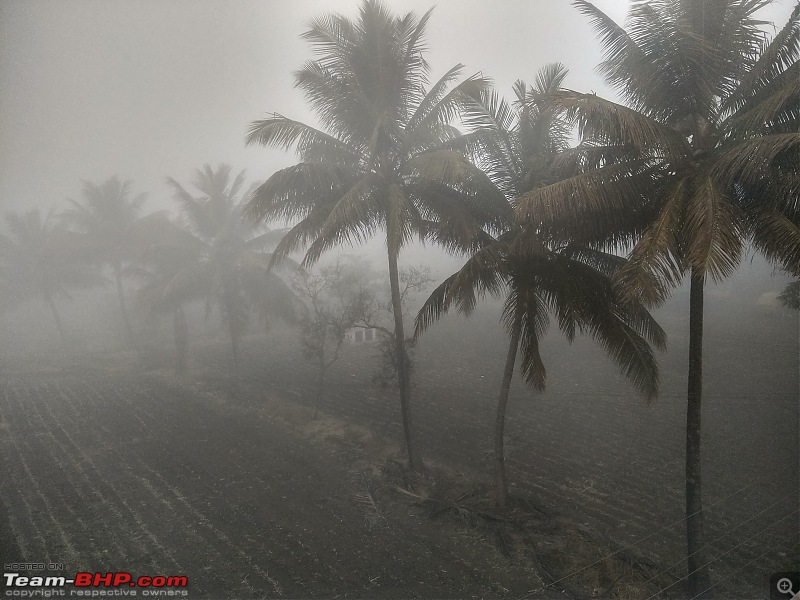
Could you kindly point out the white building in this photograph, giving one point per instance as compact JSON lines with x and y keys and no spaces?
{"x":363,"y":335}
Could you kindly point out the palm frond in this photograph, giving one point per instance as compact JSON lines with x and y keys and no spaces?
{"x":630,"y":351}
{"x":526,"y":311}
{"x":613,"y":203}
{"x":484,"y":273}
{"x":614,"y":124}
{"x":433,"y":97}
{"x":654,"y":264}
{"x":312,"y":144}
{"x":293,"y":192}
{"x":714,"y":229}
{"x":774,"y":109}
{"x":778,"y":237}
{"x":774,"y":59}
{"x":749,"y":160}
{"x":354,"y":218}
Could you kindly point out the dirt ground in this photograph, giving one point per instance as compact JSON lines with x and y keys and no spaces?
{"x":255,"y":499}
{"x":111,"y":464}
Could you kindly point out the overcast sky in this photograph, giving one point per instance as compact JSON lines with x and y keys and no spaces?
{"x":146,"y":89}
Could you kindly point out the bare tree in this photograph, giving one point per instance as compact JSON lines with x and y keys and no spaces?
{"x":332,"y":296}
{"x":374,"y":312}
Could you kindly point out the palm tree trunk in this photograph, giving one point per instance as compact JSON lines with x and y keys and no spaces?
{"x":181,"y":339}
{"x":320,"y":384}
{"x":414,"y":455}
{"x":121,"y":296}
{"x":229,"y":316}
{"x":698,"y":577}
{"x":500,"y":484}
{"x":234,"y":343}
{"x":57,"y":317}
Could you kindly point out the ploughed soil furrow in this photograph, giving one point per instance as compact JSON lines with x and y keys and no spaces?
{"x":76,"y":480}
{"x":155,"y":478}
{"x":32,"y":459}
{"x":110,"y":508}
{"x":224,"y":477}
{"x":21,"y":516}
{"x":589,"y":447}
{"x":166,"y":523}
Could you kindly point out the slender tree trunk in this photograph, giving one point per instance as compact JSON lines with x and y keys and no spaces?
{"x":57,"y":317}
{"x":229,"y":317}
{"x":181,"y":339}
{"x":414,"y":455}
{"x":234,"y":343}
{"x":500,"y":484}
{"x":320,"y":383}
{"x":121,"y":296}
{"x":698,"y":577}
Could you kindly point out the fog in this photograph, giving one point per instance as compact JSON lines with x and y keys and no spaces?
{"x":173,"y":403}
{"x":146,"y":89}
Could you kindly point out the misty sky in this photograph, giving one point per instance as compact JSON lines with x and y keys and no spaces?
{"x":146,"y":89}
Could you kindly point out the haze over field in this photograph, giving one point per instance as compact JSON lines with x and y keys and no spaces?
{"x":451,"y":343}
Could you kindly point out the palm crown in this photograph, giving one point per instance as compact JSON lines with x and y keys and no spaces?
{"x":519,"y":147}
{"x":220,"y":255}
{"x":109,"y":223}
{"x":39,"y":258}
{"x":704,"y":155}
{"x":381,"y":160}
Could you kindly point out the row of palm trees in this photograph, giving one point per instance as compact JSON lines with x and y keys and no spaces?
{"x":698,"y":160}
{"x":208,"y":253}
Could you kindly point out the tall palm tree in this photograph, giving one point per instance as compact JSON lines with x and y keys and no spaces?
{"x":519,"y":147}
{"x":108,"y":219}
{"x":39,"y":261}
{"x":230,"y":265}
{"x":171,"y":274}
{"x":702,"y":159}
{"x":378,"y":163}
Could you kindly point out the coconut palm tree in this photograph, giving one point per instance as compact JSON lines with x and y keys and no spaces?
{"x":171,"y":274}
{"x":108,"y":219}
{"x":379,"y":162}
{"x":223,"y":255}
{"x":519,"y":147}
{"x":39,"y":262}
{"x":701,"y":159}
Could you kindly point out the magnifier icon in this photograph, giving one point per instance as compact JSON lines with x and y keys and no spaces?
{"x":784,"y":586}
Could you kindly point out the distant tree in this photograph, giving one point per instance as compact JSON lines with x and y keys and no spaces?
{"x":703,"y":157}
{"x":39,"y":261}
{"x":171,"y":274}
{"x":231,"y":265}
{"x":380,"y":164}
{"x":520,"y":147}
{"x":790,"y":296}
{"x":332,"y":296}
{"x":373,"y":310}
{"x":10,"y":296}
{"x":108,"y":220}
